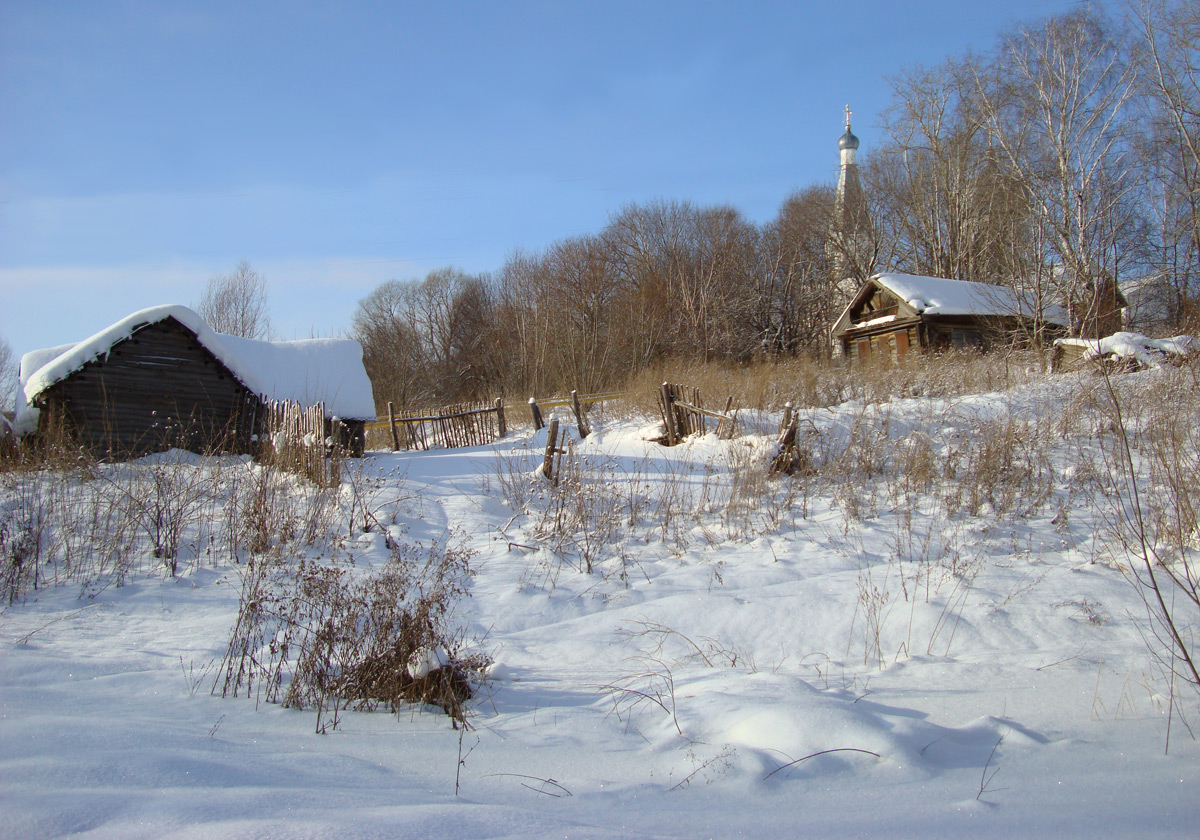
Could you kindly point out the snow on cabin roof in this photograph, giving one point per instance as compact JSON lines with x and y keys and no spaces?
{"x":309,"y":371}
{"x":943,"y":296}
{"x":328,"y":370}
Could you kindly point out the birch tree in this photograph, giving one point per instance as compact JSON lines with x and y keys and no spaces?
{"x":1060,"y":123}
{"x":1168,"y":62}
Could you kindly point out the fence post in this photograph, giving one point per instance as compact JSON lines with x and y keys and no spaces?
{"x":785,"y":457}
{"x":392,"y":426}
{"x":787,"y":416}
{"x":501,"y":426}
{"x":551,"y":447}
{"x":579,"y":419}
{"x":537,"y":414}
{"x":669,"y":414}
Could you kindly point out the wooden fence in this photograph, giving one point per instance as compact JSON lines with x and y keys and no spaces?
{"x":683,"y":413}
{"x":465,"y":424}
{"x":294,"y":440}
{"x":482,"y":423}
{"x":475,"y":424}
{"x":579,"y":405}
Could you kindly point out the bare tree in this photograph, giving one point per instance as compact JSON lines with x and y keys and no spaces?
{"x":525,"y":323}
{"x":424,"y":342}
{"x":795,"y":284}
{"x":236,"y":303}
{"x":947,"y":205}
{"x":688,"y":278}
{"x":391,"y":347}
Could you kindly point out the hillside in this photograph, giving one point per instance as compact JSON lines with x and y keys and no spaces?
{"x":928,"y":629}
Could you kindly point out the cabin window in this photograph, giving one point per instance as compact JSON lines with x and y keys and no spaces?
{"x":966,"y":339}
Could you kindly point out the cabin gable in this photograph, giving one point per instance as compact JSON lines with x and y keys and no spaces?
{"x":877,"y":325}
{"x":877,"y":303}
{"x":158,"y":388}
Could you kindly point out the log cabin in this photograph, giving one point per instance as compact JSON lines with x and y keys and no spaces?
{"x":162,"y":378}
{"x":894,"y":314}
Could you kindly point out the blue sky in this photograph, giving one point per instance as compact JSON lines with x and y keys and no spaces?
{"x":145,"y":146}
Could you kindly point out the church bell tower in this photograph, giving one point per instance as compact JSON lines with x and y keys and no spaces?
{"x":849,"y":251}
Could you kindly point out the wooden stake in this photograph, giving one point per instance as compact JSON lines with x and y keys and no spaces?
{"x":579,"y":419}
{"x":669,"y":414}
{"x":551,"y":446}
{"x":501,"y":428}
{"x":392,"y":426}
{"x":537,"y":414}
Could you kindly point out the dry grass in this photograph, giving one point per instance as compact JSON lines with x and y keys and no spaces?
{"x":808,"y":383}
{"x":67,"y":517}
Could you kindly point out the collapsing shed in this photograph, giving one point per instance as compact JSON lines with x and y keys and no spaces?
{"x":892,"y":314}
{"x":163,"y":378}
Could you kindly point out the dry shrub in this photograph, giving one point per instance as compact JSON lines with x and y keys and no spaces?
{"x":601,"y":503}
{"x":165,"y":496}
{"x":1004,"y":466}
{"x":915,"y":464}
{"x":583,"y":511}
{"x":270,"y":509}
{"x":58,"y":525}
{"x":1150,"y":479}
{"x":850,"y":457}
{"x":55,"y":448}
{"x":764,"y":386}
{"x":317,"y":635}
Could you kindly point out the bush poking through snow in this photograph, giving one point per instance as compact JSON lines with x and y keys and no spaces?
{"x":313,"y":635}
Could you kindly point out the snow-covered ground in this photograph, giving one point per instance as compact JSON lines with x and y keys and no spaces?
{"x":938,"y":656}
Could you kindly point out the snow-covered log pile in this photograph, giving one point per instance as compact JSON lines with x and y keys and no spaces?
{"x":1128,"y":350}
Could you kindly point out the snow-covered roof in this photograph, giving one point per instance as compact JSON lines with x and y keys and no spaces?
{"x":943,"y":296}
{"x":328,"y":370}
{"x":315,"y":370}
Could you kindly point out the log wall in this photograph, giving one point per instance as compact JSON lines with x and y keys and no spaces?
{"x":158,"y":389}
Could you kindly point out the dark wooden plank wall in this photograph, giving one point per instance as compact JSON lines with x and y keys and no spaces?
{"x":157,"y":389}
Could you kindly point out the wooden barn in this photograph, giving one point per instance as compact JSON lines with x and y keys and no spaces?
{"x":162,"y":378}
{"x":893,"y":314}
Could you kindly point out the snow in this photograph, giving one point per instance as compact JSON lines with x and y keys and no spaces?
{"x":1148,"y":352}
{"x":942,"y":296}
{"x":883,"y":319}
{"x":715,"y":676}
{"x":427,"y":661}
{"x":308,"y":371}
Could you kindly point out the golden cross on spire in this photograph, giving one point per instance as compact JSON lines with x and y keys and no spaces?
{"x":848,"y":112}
